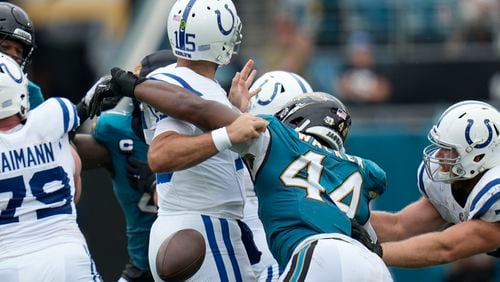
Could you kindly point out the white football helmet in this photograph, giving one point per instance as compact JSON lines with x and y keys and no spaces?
{"x":278,"y":88}
{"x":13,"y":88}
{"x":208,"y":30}
{"x":469,"y":132}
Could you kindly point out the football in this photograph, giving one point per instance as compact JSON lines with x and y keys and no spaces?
{"x":181,"y":255}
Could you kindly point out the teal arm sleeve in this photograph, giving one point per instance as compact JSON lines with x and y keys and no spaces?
{"x":35,"y":95}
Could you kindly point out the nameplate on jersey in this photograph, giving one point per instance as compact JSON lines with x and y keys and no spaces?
{"x":27,"y":157}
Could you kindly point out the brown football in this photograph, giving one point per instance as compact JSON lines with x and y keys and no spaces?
{"x":180,"y":255}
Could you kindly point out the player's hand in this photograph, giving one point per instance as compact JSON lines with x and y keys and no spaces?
{"x":102,"y":99}
{"x":245,"y":128}
{"x":124,"y":82}
{"x":239,"y":95}
{"x":95,"y":100}
{"x":90,"y":93}
{"x":140,"y":175}
{"x":360,"y":234}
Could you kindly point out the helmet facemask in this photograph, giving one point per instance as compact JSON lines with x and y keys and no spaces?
{"x":15,"y":25}
{"x":448,"y":167}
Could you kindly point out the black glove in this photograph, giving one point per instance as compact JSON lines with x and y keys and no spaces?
{"x":103,"y":99}
{"x":140,"y":175}
{"x":109,"y":91}
{"x":360,"y":234}
{"x":124,"y":82}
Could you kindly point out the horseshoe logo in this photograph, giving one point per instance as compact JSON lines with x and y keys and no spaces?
{"x":219,"y":21}
{"x":470,"y":122}
{"x":6,"y":70}
{"x":275,"y":92}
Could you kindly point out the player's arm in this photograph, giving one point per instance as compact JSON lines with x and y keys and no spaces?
{"x":77,"y":174}
{"x":35,"y":95}
{"x":92,"y":153}
{"x":171,"y":151}
{"x":457,"y":242}
{"x":179,"y":103}
{"x":417,"y":218}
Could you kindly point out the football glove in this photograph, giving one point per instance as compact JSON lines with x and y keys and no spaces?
{"x":110,"y":90}
{"x":86,"y":107}
{"x":103,"y":99}
{"x":360,"y":234}
{"x":140,"y":175}
{"x":124,"y":82}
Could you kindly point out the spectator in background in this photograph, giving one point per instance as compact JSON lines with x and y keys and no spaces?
{"x":293,"y":37}
{"x":361,"y":81}
{"x":477,"y":21}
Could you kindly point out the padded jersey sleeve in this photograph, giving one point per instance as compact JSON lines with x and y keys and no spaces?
{"x":377,"y":177}
{"x":55,"y":117}
{"x":485,"y":203}
{"x":35,"y":95}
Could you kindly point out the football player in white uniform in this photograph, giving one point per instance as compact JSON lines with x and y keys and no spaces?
{"x":209,"y":196}
{"x":39,"y":237}
{"x":460,"y":183}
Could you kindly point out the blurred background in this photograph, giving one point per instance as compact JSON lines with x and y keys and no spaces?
{"x":396,"y":63}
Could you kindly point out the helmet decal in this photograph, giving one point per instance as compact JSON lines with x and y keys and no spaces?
{"x":277,"y":86}
{"x":470,"y":122}
{"x":182,"y":25}
{"x":219,"y":21}
{"x":277,"y":89}
{"x":6,"y":70}
{"x":299,"y":81}
{"x":200,"y":31}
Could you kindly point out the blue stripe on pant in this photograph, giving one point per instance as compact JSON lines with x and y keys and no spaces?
{"x":212,"y":242}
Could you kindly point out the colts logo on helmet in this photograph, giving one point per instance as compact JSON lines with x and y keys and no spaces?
{"x":219,"y":21}
{"x":5,"y":69}
{"x":470,"y":122}
{"x":277,"y":87}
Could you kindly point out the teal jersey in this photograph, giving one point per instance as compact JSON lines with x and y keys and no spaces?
{"x":113,"y":127}
{"x":35,"y":95}
{"x":305,"y":189}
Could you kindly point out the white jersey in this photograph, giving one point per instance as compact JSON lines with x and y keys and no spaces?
{"x":213,"y":187}
{"x":482,"y":203}
{"x":36,"y":181}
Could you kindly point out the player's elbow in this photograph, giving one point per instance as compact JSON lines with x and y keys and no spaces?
{"x":160,"y":161}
